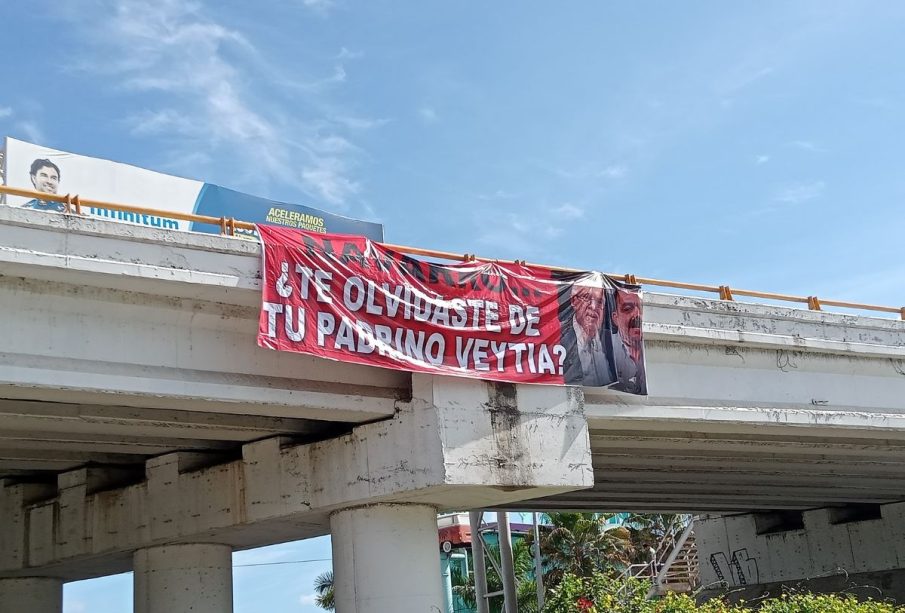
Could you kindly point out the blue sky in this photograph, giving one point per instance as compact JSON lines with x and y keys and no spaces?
{"x":757,"y":144}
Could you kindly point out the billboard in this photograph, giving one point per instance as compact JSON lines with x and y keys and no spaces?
{"x":346,"y":298}
{"x":34,"y":167}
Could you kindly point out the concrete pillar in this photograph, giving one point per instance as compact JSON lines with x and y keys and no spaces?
{"x":195,"y":578}
{"x":385,"y":558}
{"x":32,"y":594}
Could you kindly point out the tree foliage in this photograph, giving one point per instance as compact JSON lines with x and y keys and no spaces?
{"x":526,"y":588}
{"x":602,"y":594}
{"x":582,"y":544}
{"x":583,"y":558}
{"x":323,"y":588}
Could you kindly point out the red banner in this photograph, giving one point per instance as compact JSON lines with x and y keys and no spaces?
{"x":350,"y":299}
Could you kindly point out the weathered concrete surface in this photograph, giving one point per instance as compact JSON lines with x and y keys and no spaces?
{"x":457,"y":444}
{"x":385,"y":559}
{"x":31,"y":594}
{"x":123,"y":344}
{"x":740,"y":550}
{"x":196,"y":578}
{"x":761,"y":393}
{"x":882,"y":585}
{"x":116,"y":315}
{"x":752,"y":407}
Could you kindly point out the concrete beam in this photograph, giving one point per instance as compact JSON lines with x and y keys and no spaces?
{"x":199,"y":356}
{"x":31,"y":594}
{"x":459,"y":443}
{"x":43,"y":419}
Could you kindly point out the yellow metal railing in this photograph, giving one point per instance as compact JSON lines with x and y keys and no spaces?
{"x":74,"y":204}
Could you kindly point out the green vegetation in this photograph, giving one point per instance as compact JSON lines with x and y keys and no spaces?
{"x":584,"y":559}
{"x":323,"y":587}
{"x":523,"y":564}
{"x":599,"y":593}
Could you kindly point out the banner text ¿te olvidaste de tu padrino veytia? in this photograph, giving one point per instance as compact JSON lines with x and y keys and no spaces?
{"x":346,"y":298}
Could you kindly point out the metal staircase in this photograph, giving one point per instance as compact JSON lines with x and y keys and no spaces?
{"x":679,"y":571}
{"x":674,"y":565}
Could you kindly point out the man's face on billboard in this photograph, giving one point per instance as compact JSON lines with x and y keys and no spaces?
{"x":46,"y":180}
{"x":588,"y":305}
{"x":627,"y":316}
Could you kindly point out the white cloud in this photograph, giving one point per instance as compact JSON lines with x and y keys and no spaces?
{"x":591,"y":171}
{"x":346,"y":54}
{"x":614,"y":171}
{"x":202,"y":73}
{"x":499,"y":194}
{"x":332,"y":144}
{"x":308,"y":599}
{"x":741,"y":77}
{"x":329,"y":178}
{"x":339,"y":74}
{"x":524,"y":231}
{"x":551,"y":232}
{"x":161,"y":121}
{"x":761,"y":159}
{"x":24,"y":128}
{"x":806,"y":145}
{"x":30,"y":130}
{"x":359,"y":123}
{"x":320,"y":6}
{"x":427,"y":114}
{"x":800,"y":192}
{"x":74,"y":606}
{"x":569,"y":211}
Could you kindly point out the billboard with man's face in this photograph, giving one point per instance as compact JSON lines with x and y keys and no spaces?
{"x":50,"y":171}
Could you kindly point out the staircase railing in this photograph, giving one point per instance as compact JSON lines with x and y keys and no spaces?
{"x":680,"y":551}
{"x":675,"y":549}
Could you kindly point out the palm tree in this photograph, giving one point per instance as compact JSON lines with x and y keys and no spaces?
{"x":582,"y":544}
{"x":323,"y":587}
{"x":523,"y":565}
{"x":648,"y":531}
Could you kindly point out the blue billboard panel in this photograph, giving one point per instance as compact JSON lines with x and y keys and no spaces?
{"x":217,"y":201}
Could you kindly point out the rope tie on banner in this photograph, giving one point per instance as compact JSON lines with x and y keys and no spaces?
{"x":902,"y":313}
{"x":67,"y":204}
{"x":725,"y":293}
{"x":231,"y":226}
{"x":78,"y":204}
{"x":223,"y":225}
{"x":631,"y":279}
{"x":813,"y":303}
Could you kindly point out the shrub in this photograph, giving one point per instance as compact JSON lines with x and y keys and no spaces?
{"x":602,"y":594}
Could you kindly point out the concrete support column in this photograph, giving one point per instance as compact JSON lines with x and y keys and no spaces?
{"x":196,"y":578}
{"x":32,"y":594}
{"x":386,"y":558}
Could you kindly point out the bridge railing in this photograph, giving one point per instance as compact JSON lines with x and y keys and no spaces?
{"x":73,"y":204}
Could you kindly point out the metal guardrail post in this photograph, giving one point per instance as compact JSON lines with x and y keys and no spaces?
{"x":480,"y":567}
{"x":510,"y":593}
{"x":538,"y":566}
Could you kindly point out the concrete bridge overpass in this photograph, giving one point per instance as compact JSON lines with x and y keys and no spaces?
{"x":140,"y":425}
